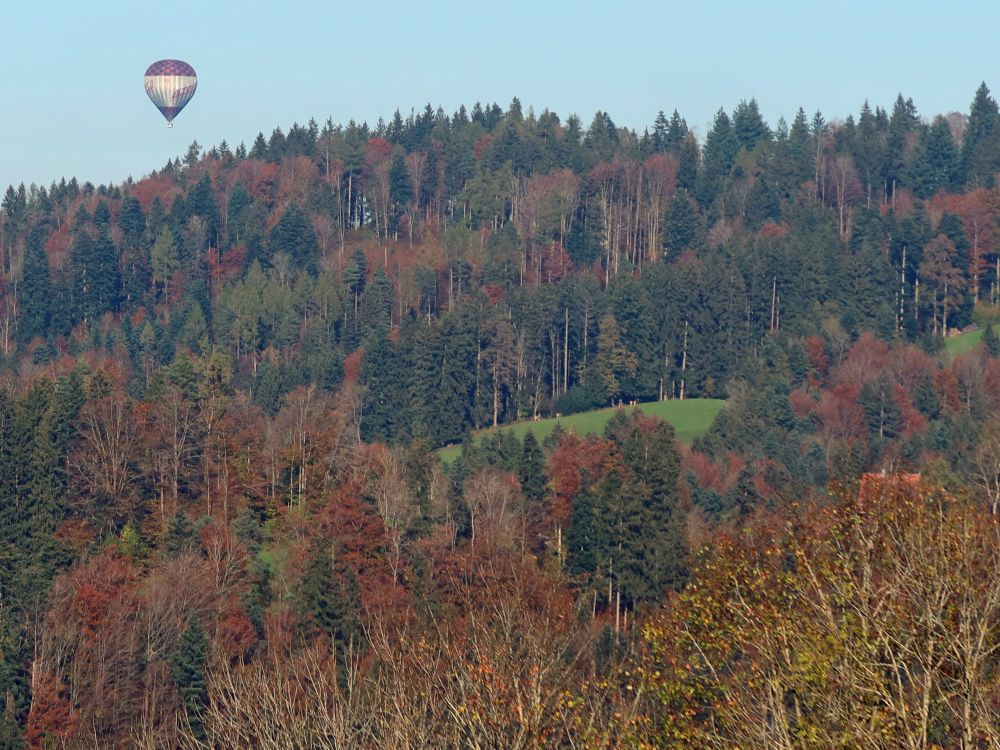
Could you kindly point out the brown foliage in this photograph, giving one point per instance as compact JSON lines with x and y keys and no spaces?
{"x":575,"y":460}
{"x":866,"y":623}
{"x":512,"y":671}
{"x":106,"y":461}
{"x":51,"y":720}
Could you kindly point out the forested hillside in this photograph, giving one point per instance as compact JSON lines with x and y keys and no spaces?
{"x":222,"y":520}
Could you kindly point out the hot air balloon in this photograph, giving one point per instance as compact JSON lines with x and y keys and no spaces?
{"x":170,"y":85}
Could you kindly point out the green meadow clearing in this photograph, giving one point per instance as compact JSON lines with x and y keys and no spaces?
{"x":691,"y":417}
{"x":963,"y":342}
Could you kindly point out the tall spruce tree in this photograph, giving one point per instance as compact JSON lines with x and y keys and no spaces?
{"x":935,"y":163}
{"x":383,"y":370}
{"x":36,"y":289}
{"x":531,"y":469}
{"x":721,"y":146}
{"x":94,"y":264}
{"x":400,"y":188}
{"x":650,"y":542}
{"x":749,"y":126}
{"x":981,"y":142}
{"x":189,"y":668}
{"x":294,"y":235}
{"x":330,"y":603}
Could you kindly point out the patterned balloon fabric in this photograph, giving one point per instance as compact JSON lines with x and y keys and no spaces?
{"x":170,"y":85}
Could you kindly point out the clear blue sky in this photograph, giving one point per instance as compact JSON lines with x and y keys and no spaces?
{"x":73,"y":102}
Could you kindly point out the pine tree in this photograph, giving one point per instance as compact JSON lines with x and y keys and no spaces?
{"x":441,"y":368}
{"x":721,"y":146}
{"x":867,"y":280}
{"x":293,"y":234}
{"x":323,"y":360}
{"x":531,"y":469}
{"x":680,"y":224}
{"x":400,"y":188}
{"x":189,"y":668}
{"x":688,"y":164}
{"x":180,"y":535}
{"x":650,"y":542}
{"x":354,"y":278}
{"x":106,"y":278}
{"x":660,"y":130}
{"x":236,"y":212}
{"x":259,"y":148}
{"x":677,"y":133}
{"x":749,"y":126}
{"x":10,"y":731}
{"x":132,"y":222}
{"x":903,"y":121}
{"x":193,"y":154}
{"x":384,"y":374}
{"x":376,"y":304}
{"x":330,"y":603}
{"x":632,"y":310}
{"x":761,"y":205}
{"x":936,"y":161}
{"x":881,"y":411}
{"x":800,"y":149}
{"x":867,"y":149}
{"x":271,"y":384}
{"x":277,"y":145}
{"x":201,"y":202}
{"x":36,"y":290}
{"x":927,"y":399}
{"x":194,"y":332}
{"x":981,"y":142}
{"x":14,"y":679}
{"x":94,"y":262}
{"x":990,"y":341}
{"x":583,"y":546}
{"x":33,"y":480}
{"x":102,"y":215}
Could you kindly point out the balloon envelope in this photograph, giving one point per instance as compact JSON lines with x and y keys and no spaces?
{"x":170,"y":85}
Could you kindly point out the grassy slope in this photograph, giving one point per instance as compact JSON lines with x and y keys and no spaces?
{"x":690,"y":418}
{"x":963,"y":342}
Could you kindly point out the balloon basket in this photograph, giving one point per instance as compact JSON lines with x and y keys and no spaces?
{"x":170,"y":124}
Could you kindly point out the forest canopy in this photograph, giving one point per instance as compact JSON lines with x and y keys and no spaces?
{"x":222,"y":387}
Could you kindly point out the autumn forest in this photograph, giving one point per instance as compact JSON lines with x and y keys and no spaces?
{"x":225,"y":522}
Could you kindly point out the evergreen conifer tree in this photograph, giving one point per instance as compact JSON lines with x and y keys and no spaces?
{"x":980,"y":159}
{"x":201,"y":202}
{"x":384,"y":372}
{"x":583,"y":548}
{"x":180,"y":535}
{"x":650,"y":546}
{"x":749,"y":126}
{"x":36,"y":290}
{"x":881,"y":411}
{"x":721,"y":146}
{"x":330,"y":602}
{"x":680,"y":224}
{"x":293,"y":234}
{"x":990,"y":341}
{"x":531,"y":469}
{"x":189,"y":668}
{"x":935,"y":163}
{"x":400,"y":187}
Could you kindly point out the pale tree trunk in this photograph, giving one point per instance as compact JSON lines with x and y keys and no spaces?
{"x":565,"y":386}
{"x":684,"y":359}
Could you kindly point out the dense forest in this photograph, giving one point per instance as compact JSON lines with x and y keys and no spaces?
{"x":223,"y":522}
